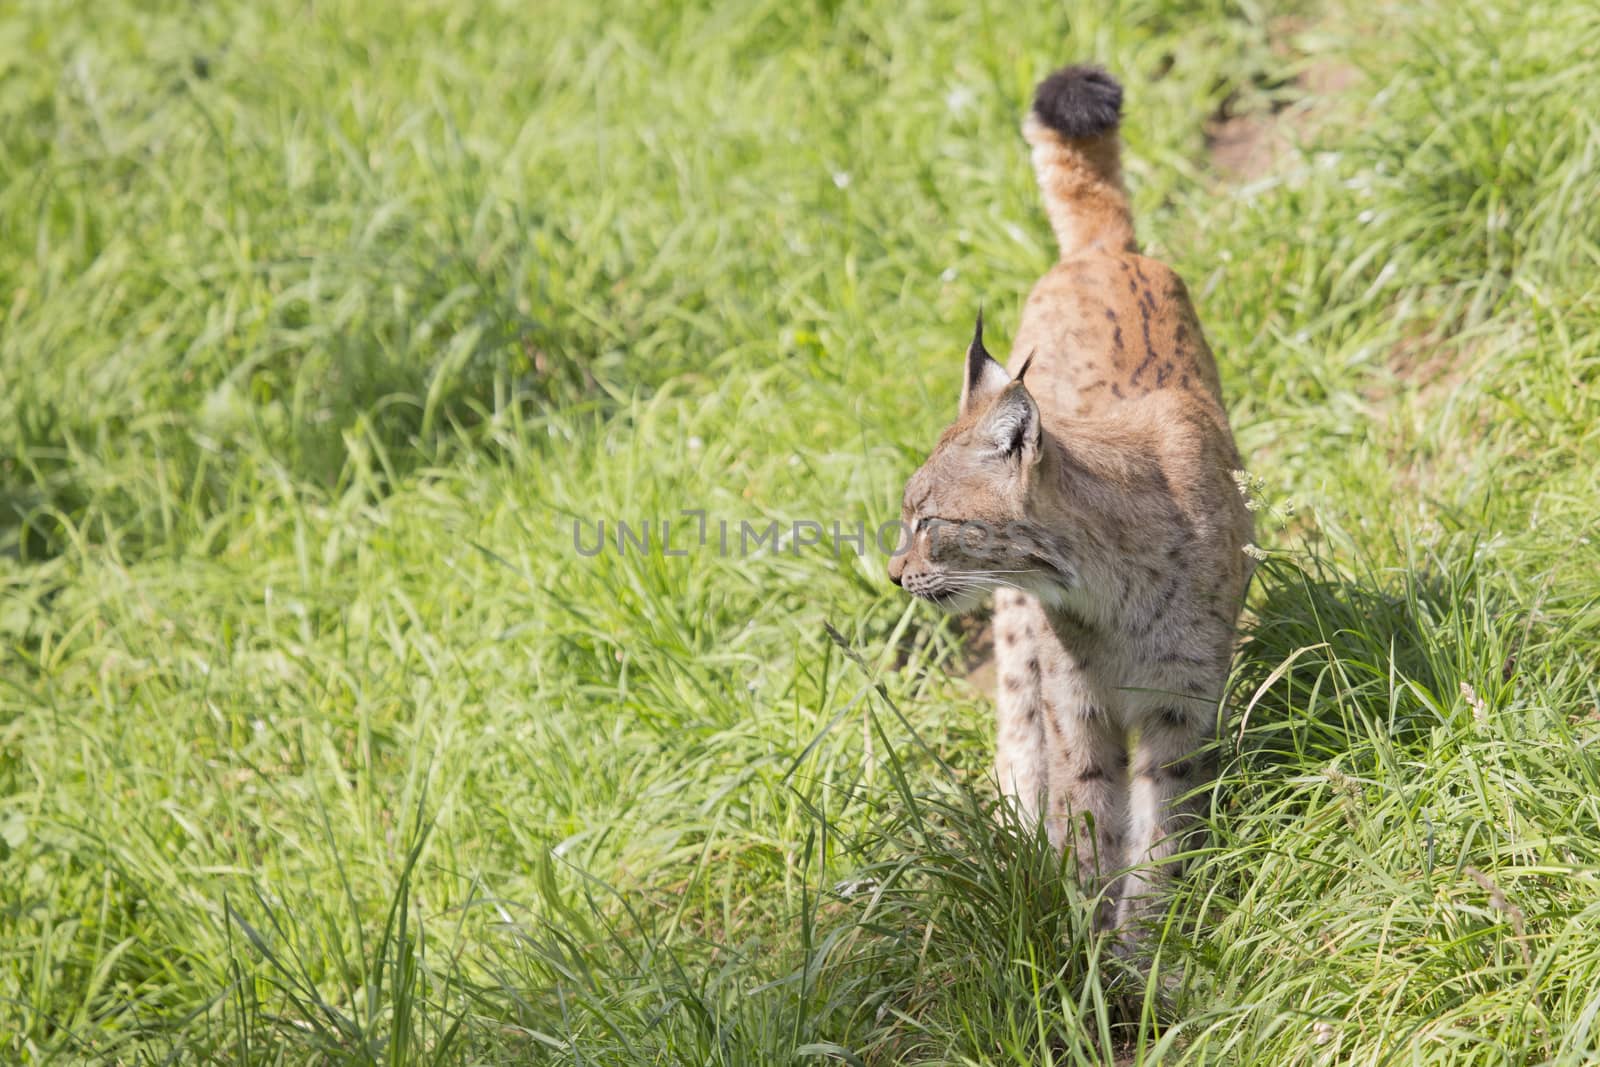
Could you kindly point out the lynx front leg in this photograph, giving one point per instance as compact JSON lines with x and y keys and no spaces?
{"x":1171,"y":764}
{"x":1019,"y":703}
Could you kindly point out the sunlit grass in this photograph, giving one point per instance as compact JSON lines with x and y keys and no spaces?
{"x":320,"y":741}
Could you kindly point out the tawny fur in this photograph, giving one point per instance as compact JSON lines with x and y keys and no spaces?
{"x":1103,"y":513}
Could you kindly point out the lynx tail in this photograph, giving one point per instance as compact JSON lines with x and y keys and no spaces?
{"x":1077,"y":156}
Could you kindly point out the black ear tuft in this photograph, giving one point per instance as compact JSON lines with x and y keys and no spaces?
{"x":1081,"y":101}
{"x":984,"y":377}
{"x":978,"y":359}
{"x":1023,"y":373}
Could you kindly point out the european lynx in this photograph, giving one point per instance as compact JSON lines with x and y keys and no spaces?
{"x":1100,"y":506}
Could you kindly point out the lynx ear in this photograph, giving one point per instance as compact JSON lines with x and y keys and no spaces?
{"x":1011,"y":425}
{"x":984,"y":378}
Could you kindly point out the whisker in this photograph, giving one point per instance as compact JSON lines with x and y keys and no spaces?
{"x":1027,"y":570}
{"x":969,"y":584}
{"x":982,"y":579}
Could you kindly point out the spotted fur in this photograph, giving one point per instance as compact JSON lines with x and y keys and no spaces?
{"x":1095,"y":499}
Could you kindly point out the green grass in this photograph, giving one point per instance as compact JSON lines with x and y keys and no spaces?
{"x":320,"y":324}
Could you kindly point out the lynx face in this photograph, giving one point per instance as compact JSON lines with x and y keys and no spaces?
{"x":951,"y":555}
{"x":966,"y":521}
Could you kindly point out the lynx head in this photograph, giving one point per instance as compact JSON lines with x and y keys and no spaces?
{"x":966,"y":517}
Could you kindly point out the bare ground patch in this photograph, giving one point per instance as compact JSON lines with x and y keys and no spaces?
{"x":1247,"y":142}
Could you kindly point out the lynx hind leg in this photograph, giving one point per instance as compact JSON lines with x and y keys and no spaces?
{"x":1172,"y":762}
{"x":1019,"y":627}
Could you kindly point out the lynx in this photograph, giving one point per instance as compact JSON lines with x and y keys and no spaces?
{"x":1091,"y":489}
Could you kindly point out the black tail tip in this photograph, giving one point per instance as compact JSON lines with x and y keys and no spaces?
{"x":1079,"y":101}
